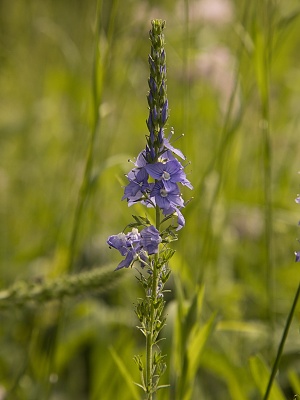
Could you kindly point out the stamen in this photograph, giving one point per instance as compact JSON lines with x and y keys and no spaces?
{"x":187,"y":164}
{"x":179,"y":137}
{"x":163,"y":193}
{"x":166,"y":176}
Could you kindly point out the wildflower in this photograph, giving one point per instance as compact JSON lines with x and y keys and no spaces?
{"x":167,"y":200}
{"x":157,"y":172}
{"x":138,"y":185}
{"x":119,"y":242}
{"x":169,"y":172}
{"x":153,"y":182}
{"x":150,"y":239}
{"x":135,"y":245}
{"x":128,"y":245}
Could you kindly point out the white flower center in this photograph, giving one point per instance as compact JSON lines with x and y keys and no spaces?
{"x":163,"y":193}
{"x":166,"y":176}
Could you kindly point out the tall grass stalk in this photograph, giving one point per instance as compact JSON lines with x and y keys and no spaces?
{"x":96,"y":90}
{"x":281,"y":344}
{"x":97,"y":84}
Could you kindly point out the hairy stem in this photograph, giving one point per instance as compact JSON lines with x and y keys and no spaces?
{"x":151,"y":328}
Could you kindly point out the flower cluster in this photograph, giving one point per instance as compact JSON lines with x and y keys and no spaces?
{"x":157,"y":172}
{"x":136,"y":245}
{"x":166,"y":172}
{"x":154,"y":179}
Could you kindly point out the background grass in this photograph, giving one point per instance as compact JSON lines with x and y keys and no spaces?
{"x":233,"y":88}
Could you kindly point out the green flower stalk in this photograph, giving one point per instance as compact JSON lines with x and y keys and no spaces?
{"x":153,"y":182}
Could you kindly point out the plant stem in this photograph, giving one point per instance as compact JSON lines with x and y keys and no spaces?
{"x":153,"y":300}
{"x":282,"y":343}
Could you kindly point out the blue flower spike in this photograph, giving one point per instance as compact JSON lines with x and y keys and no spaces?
{"x":154,"y":181}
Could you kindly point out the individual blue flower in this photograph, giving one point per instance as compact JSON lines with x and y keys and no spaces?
{"x":150,"y":239}
{"x":128,"y":245}
{"x":135,"y":245}
{"x":170,"y":172}
{"x":167,"y":199}
{"x":137,"y":186}
{"x":123,"y":242}
{"x":118,"y":242}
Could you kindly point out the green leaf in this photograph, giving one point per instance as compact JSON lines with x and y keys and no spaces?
{"x":194,"y":312}
{"x":294,"y":380}
{"x":221,"y":367}
{"x":126,"y":375}
{"x":198,"y":338}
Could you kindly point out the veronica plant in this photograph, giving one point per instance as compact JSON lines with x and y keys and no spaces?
{"x":153,"y":182}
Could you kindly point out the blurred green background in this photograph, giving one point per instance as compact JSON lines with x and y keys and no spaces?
{"x":234,"y":91}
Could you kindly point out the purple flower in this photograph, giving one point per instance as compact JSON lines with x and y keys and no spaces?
{"x":135,"y":245}
{"x":119,"y":242}
{"x":150,"y":239}
{"x":129,"y":259}
{"x":128,"y":245}
{"x":297,"y":200}
{"x":167,"y":145}
{"x":123,"y":242}
{"x":167,"y":200}
{"x":137,"y":186}
{"x":141,"y":160}
{"x":169,"y":172}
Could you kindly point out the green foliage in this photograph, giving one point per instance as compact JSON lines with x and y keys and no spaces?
{"x":126,"y":374}
{"x":73,"y":109}
{"x":260,"y":375}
